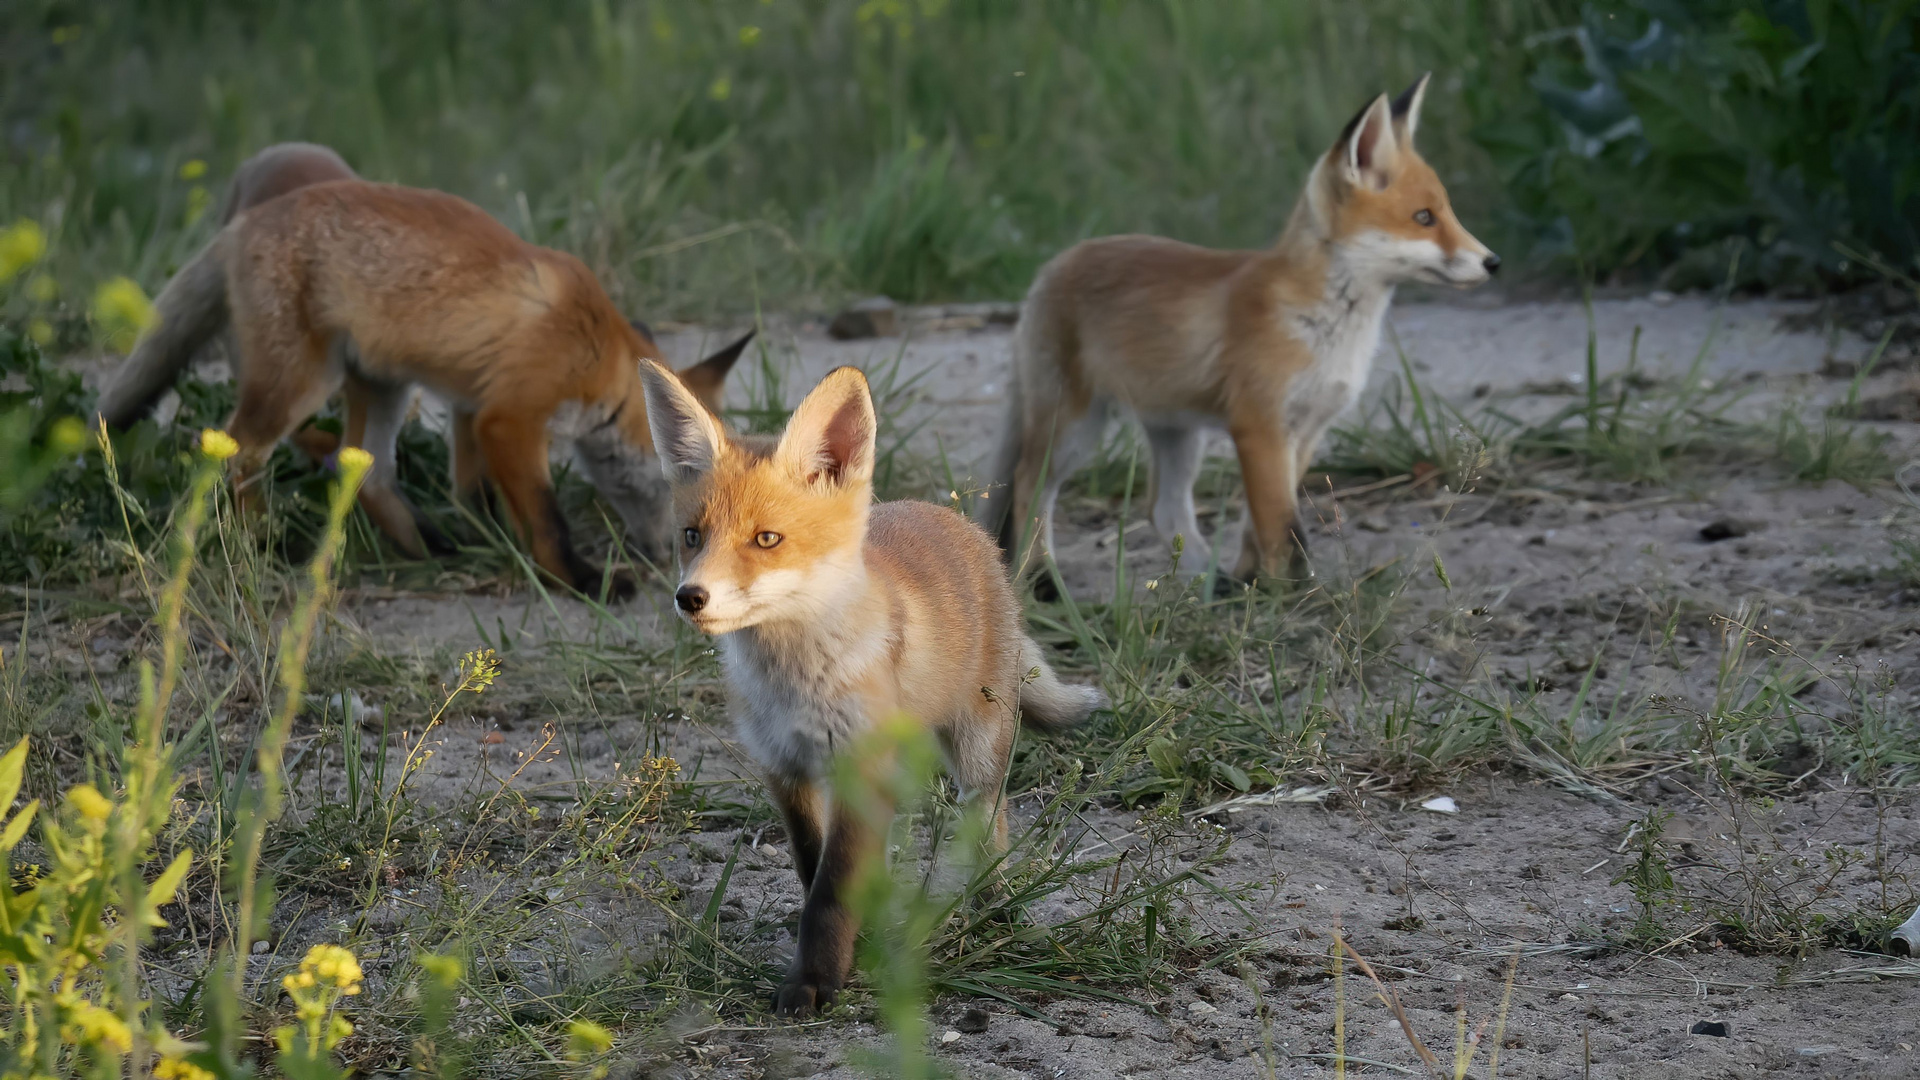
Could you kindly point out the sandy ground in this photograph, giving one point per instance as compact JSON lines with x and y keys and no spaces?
{"x":1542,"y":583}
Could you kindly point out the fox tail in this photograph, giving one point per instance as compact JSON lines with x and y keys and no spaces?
{"x":191,"y":310}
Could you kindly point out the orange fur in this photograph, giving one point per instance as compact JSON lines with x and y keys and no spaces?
{"x":430,"y":290}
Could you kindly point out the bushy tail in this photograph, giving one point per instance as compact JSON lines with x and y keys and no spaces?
{"x":190,"y":311}
{"x":1046,"y":702}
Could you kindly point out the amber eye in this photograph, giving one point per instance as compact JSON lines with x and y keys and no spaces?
{"x":693,"y":538}
{"x":768,"y":539}
{"x":1424,"y":217}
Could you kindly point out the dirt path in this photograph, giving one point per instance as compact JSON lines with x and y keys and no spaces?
{"x":1544,"y":588}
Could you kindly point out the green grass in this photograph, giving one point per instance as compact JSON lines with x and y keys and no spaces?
{"x":729,"y":154}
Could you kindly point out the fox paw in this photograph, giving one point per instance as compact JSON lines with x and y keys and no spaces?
{"x":801,"y":997}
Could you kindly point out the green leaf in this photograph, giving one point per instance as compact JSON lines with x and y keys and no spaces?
{"x":1166,"y":757}
{"x":11,"y":768}
{"x":164,"y":886}
{"x":17,"y":828}
{"x":1232,"y":775}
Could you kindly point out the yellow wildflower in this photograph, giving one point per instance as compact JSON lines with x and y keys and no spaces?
{"x":41,"y":331}
{"x":355,"y":458}
{"x":21,"y":245}
{"x":122,"y":309}
{"x":217,"y":444}
{"x":87,"y":799}
{"x":333,"y":966}
{"x":193,"y":170}
{"x":586,"y":1039}
{"x":749,"y":36}
{"x":67,"y":436}
{"x":721,"y":90}
{"x":88,"y":1024}
{"x":177,"y":1069}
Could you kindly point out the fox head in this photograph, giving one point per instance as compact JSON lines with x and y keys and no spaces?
{"x":617,"y":456}
{"x":767,"y":531}
{"x":1383,"y":207}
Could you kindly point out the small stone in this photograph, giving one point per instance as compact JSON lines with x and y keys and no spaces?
{"x":1569,"y":997}
{"x":1441,"y":804}
{"x":876,"y":316}
{"x":1660,"y":297}
{"x":1201,"y":1008}
{"x":974,"y":1021}
{"x":1715,"y":1028}
{"x":260,"y":947}
{"x":949,"y":1038}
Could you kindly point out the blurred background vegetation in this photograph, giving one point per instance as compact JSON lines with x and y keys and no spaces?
{"x":717,"y":155}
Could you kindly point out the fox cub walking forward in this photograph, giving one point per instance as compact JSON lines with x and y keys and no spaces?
{"x":430,"y":290}
{"x":832,"y":614}
{"x":1272,"y":345}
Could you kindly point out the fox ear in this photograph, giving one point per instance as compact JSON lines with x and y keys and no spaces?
{"x":1406,"y":108}
{"x":831,"y":434}
{"x":708,"y":378}
{"x":685,"y":434}
{"x":1368,"y":149}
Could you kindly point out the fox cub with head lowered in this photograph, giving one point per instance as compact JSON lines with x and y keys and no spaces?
{"x":834,"y":613}
{"x":1271,"y":345}
{"x":373,"y":288}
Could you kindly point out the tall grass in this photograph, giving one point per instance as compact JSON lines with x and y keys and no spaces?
{"x":700,"y":155}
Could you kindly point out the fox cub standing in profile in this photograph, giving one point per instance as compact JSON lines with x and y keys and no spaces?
{"x":1272,"y":345}
{"x":833,"y":614}
{"x":428,"y":289}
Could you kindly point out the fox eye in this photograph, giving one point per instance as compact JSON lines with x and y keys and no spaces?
{"x":768,"y":539}
{"x":693,"y":538}
{"x":1424,"y":217}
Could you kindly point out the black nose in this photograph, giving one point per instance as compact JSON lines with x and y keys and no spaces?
{"x":1491,"y":262}
{"x":691,"y":598}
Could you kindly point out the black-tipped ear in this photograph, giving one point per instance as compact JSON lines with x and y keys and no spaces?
{"x":708,"y":378}
{"x":645,"y":330}
{"x":1406,"y":108}
{"x":685,"y":434}
{"x":1368,"y":149}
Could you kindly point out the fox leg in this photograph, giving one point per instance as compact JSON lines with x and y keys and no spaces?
{"x":1052,"y":451}
{"x":318,"y":444}
{"x":979,"y":747}
{"x":803,"y":806}
{"x":288,"y":379}
{"x":469,"y":466}
{"x":1176,"y":465}
{"x":1272,"y":535}
{"x":515,"y":449}
{"x":824,"y":951}
{"x":375,"y":413}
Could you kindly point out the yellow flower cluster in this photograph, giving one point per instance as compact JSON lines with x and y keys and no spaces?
{"x":478,"y":669}
{"x":176,"y":1069}
{"x":89,"y":802}
{"x":88,"y":1024}
{"x":217,"y":444}
{"x":21,"y":245}
{"x":122,"y":309}
{"x":327,"y":966}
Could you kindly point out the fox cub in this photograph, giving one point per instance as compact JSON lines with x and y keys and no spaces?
{"x":426,"y":289}
{"x":1270,"y":345}
{"x":832,"y":614}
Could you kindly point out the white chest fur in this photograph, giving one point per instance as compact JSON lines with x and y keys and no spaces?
{"x":795,"y":694}
{"x":1341,"y":333}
